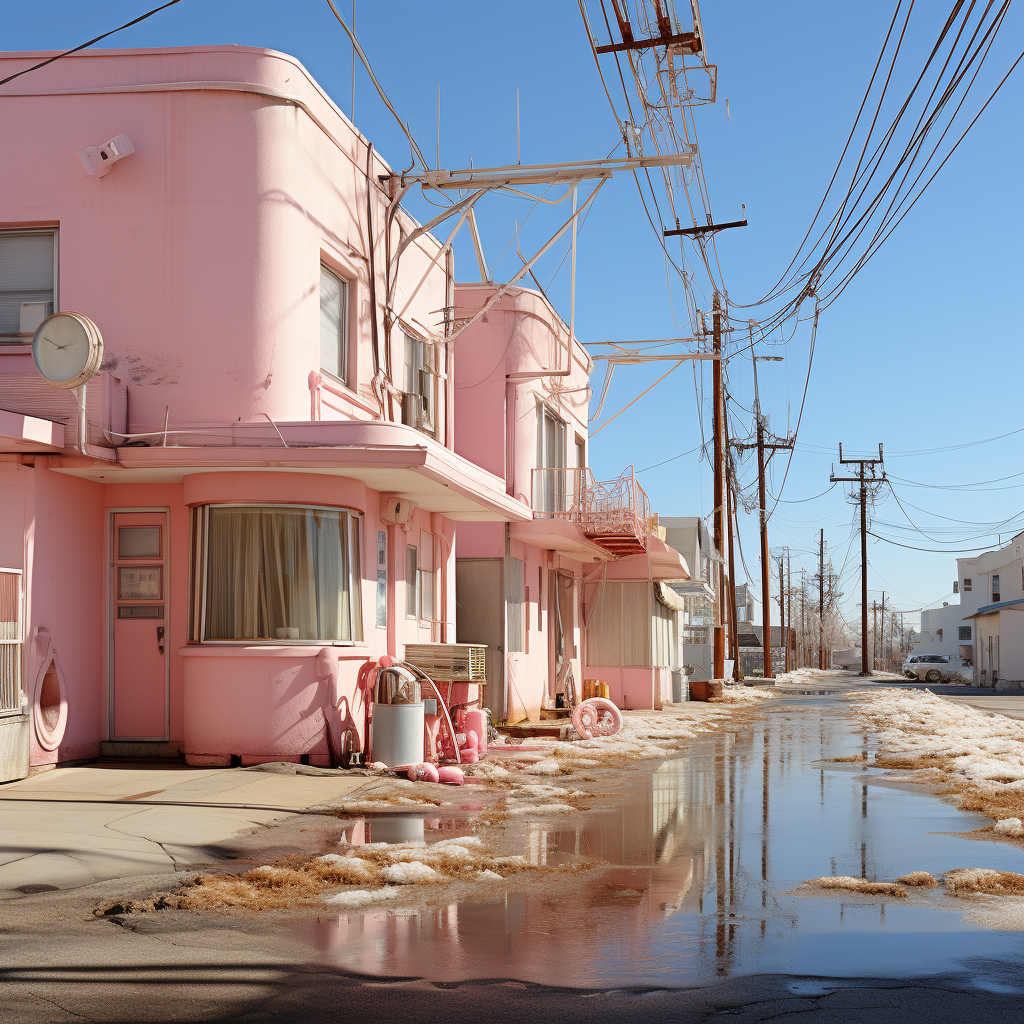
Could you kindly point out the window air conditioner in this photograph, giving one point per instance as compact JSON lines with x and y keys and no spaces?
{"x":413,"y":412}
{"x":466,"y":663}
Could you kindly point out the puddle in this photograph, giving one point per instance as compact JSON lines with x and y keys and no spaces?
{"x":704,"y":855}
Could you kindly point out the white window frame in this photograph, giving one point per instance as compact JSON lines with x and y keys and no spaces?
{"x":199,"y":540}
{"x":420,"y":377}
{"x":21,"y":339}
{"x":341,"y":372}
{"x":412,"y":582}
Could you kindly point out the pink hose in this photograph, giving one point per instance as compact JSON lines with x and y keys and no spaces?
{"x":597,"y":716}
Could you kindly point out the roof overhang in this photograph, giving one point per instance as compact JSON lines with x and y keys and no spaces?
{"x":388,"y":457}
{"x":658,"y":563}
{"x":1016,"y":605}
{"x":560,"y":535}
{"x":20,"y":433}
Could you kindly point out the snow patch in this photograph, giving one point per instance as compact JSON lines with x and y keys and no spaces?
{"x":411,"y":872}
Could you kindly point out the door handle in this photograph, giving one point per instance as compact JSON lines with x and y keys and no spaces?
{"x":160,"y":638}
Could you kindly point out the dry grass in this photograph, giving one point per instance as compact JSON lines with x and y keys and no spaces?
{"x":849,"y":757}
{"x":910,"y":763}
{"x":969,"y":881}
{"x":861,"y":886}
{"x":918,"y":879}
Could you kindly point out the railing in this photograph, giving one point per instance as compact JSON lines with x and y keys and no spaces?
{"x":560,"y":493}
{"x":10,"y":640}
{"x":615,"y":513}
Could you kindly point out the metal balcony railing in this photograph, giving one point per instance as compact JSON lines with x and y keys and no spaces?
{"x":614,"y":513}
{"x":560,"y":493}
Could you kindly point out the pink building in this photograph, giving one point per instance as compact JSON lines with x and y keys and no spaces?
{"x":576,"y":588}
{"x":263,"y":493}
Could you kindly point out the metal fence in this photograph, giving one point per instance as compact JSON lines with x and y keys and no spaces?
{"x":10,"y":639}
{"x":603,"y":509}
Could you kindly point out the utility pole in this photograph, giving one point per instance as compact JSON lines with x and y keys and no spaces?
{"x":789,"y":611}
{"x":874,"y":635}
{"x":863,"y":480}
{"x":782,"y":616}
{"x":730,"y":511}
{"x":881,"y":642}
{"x":718,"y":670}
{"x":772,"y":445}
{"x":804,"y":658}
{"x":821,"y":600}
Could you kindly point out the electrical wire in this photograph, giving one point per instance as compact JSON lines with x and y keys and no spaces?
{"x":82,"y":46}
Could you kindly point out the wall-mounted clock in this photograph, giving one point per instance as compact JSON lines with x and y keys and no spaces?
{"x":67,"y":349}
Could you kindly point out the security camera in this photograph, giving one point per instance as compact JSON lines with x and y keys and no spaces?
{"x":97,"y":160}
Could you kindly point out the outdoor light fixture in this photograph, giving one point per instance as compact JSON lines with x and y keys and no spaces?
{"x":97,"y":160}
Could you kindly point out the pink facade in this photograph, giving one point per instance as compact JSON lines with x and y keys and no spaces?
{"x":531,"y":590}
{"x":272,"y":485}
{"x":215,"y":565}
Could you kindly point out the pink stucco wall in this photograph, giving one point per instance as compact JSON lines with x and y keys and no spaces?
{"x":198,"y":257}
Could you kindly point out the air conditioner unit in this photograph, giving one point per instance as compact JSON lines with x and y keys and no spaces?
{"x":395,"y":509}
{"x":459,"y":663}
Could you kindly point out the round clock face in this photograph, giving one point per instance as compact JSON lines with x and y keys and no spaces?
{"x":67,"y":349}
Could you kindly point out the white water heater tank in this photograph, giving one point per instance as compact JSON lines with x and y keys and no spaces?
{"x":396,"y":734}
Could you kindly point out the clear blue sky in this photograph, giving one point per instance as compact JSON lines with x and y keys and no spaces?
{"x":920,"y":351}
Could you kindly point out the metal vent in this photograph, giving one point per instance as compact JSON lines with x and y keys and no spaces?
{"x":450,"y":662}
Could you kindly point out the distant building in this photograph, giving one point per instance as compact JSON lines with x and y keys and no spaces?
{"x":991,"y":588}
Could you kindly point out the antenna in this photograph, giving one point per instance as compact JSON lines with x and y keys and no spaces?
{"x":519,"y":158}
{"x":438,"y":163}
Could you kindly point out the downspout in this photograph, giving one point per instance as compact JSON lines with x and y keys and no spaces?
{"x":374,"y":339}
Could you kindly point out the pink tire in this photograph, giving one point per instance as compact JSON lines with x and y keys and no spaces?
{"x":597,"y":716}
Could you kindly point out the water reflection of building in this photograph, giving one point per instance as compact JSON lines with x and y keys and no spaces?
{"x":655,"y":841}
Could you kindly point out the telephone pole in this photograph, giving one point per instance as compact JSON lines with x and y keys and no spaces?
{"x":772,"y":445}
{"x":782,"y":615}
{"x":881,"y":642}
{"x":821,"y":601}
{"x":718,"y":670}
{"x":863,"y":479}
{"x":730,"y":512}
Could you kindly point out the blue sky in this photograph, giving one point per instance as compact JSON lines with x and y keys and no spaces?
{"x":920,"y":352}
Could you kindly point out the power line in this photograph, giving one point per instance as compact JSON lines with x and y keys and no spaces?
{"x":50,"y":60}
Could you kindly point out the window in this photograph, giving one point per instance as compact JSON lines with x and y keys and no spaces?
{"x":426,"y":575}
{"x":333,"y":323}
{"x":28,"y":275}
{"x":550,"y":486}
{"x":995,"y":586}
{"x":412,"y":583}
{"x":581,"y":453}
{"x":420,"y":385}
{"x":514,"y":601}
{"x":278,"y":572}
{"x":967,"y":586}
{"x":965,"y":634}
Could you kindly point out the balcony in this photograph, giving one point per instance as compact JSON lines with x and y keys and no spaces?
{"x":615,"y":514}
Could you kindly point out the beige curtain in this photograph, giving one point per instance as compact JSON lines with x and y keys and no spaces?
{"x":282,"y":574}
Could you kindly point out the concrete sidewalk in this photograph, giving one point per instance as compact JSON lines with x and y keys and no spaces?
{"x":74,"y":826}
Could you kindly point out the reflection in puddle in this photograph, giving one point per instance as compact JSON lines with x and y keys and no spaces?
{"x":703,"y":856}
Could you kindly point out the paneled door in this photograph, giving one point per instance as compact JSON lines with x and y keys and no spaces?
{"x":139,"y":609}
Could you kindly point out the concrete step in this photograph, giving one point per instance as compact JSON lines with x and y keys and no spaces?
{"x":141,"y":750}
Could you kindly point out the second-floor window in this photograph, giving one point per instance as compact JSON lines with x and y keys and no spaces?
{"x":967,"y":586}
{"x":995,"y":586}
{"x":28,"y":279}
{"x":333,"y":324}
{"x":550,"y":486}
{"x":419,"y":398}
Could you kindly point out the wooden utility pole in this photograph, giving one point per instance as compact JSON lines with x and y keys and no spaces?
{"x":863,"y":480}
{"x":881,"y":642}
{"x":782,"y":616}
{"x":821,"y":601}
{"x":718,"y":670}
{"x":766,"y":608}
{"x":874,"y":635}
{"x":730,"y":511}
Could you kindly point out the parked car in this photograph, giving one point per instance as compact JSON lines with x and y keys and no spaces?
{"x":930,"y":668}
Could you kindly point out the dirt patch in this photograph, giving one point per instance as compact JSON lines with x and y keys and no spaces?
{"x":860,"y":885}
